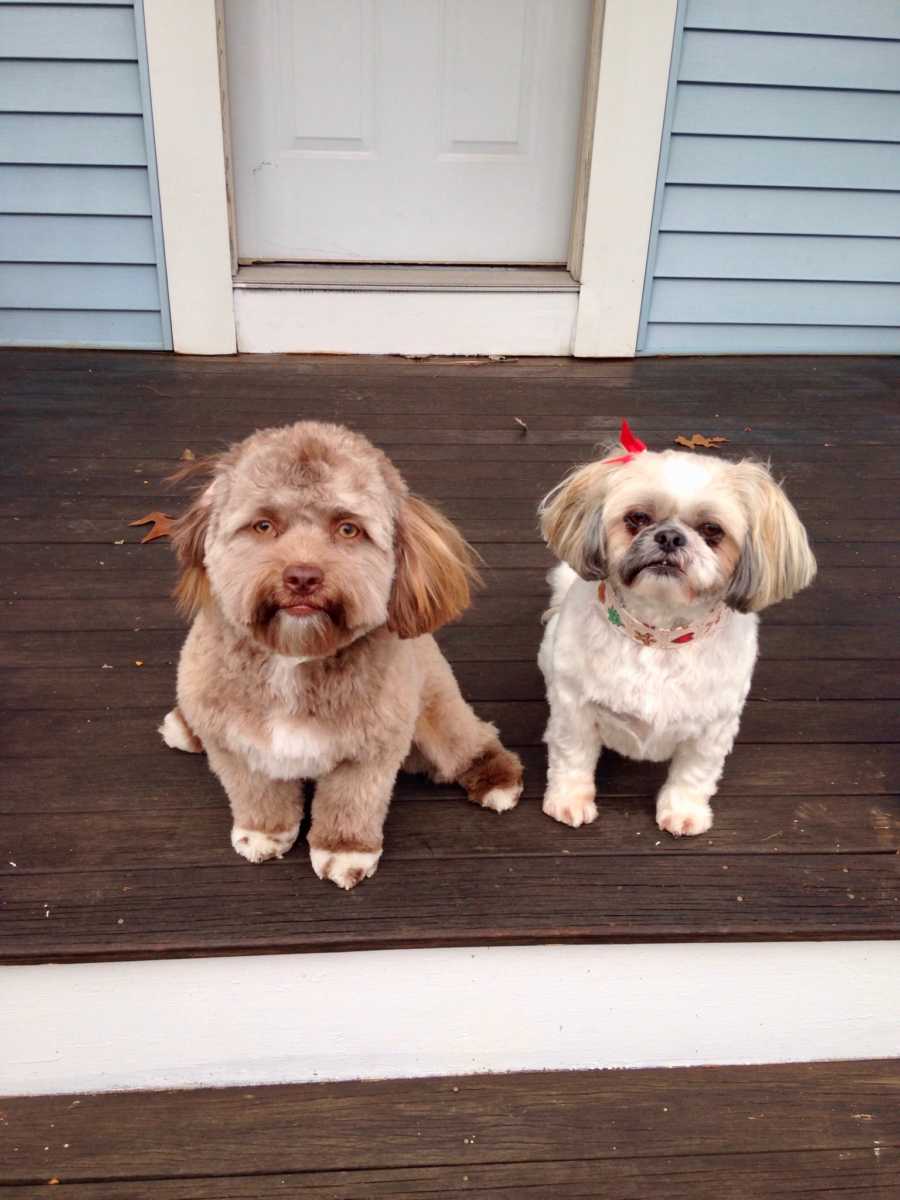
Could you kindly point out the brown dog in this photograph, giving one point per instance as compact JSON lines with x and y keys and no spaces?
{"x":315,"y":581}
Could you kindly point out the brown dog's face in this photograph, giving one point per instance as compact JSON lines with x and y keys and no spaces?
{"x":307,"y":539}
{"x":300,"y":548}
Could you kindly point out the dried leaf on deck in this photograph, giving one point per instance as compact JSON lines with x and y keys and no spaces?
{"x":188,"y":456}
{"x":161,"y":523}
{"x":698,"y":439}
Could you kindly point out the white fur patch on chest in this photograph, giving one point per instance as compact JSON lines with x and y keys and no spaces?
{"x":293,"y":749}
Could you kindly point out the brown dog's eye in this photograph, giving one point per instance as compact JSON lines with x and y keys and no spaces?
{"x":265,"y":529}
{"x":637,"y":520}
{"x":348,"y":530}
{"x":711,"y":532}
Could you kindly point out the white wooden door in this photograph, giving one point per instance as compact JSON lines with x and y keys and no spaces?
{"x":442,"y":131}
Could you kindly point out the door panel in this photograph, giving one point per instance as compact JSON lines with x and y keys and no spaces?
{"x":405,"y":130}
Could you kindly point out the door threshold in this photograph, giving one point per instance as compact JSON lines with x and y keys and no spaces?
{"x":364,"y":277}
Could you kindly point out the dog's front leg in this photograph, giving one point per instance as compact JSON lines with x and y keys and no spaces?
{"x":573,"y":744}
{"x":349,"y":809}
{"x":266,"y":812}
{"x":682,"y":806}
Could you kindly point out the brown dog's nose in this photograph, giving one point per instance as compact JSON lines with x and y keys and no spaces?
{"x":301,"y":578}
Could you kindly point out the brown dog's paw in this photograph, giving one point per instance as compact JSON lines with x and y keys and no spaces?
{"x":494,"y":779}
{"x":257,"y":847}
{"x":178,"y":735}
{"x":346,"y":868}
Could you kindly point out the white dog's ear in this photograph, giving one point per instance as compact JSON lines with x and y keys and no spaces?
{"x":188,"y":535}
{"x":776,"y":560}
{"x":572,"y":518}
{"x":435,"y":571}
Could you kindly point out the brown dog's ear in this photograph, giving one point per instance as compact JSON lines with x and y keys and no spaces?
{"x":188,"y":535}
{"x":435,"y":571}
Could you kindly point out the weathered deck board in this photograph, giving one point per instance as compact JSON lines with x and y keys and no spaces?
{"x":124,"y":844}
{"x":708,"y":1133}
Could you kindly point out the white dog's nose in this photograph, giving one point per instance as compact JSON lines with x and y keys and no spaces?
{"x":669,"y":539}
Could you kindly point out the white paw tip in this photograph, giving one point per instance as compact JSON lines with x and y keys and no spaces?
{"x":177,"y":735}
{"x":346,"y":868}
{"x":502,"y":799}
{"x":258,"y":847}
{"x":572,"y":809}
{"x":683,"y":816}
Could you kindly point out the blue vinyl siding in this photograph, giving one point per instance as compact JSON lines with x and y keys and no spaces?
{"x":81,"y":253}
{"x":777,"y":217}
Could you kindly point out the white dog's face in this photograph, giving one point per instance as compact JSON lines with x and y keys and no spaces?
{"x":306,"y":539}
{"x":673,"y":529}
{"x":677,"y":529}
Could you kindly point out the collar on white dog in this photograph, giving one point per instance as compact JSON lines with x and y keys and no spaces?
{"x":653,"y":635}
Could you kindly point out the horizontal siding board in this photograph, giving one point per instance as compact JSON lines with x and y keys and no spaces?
{"x":787,"y":112}
{"x":67,"y":31}
{"x":57,"y":189}
{"x":70,"y":87}
{"x":780,"y":210}
{"x":41,"y":138}
{"x":765,"y":302}
{"x":761,"y":256}
{"x":765,"y":162}
{"x":850,"y":18}
{"x":76,"y":239}
{"x":77,"y":285}
{"x":769,"y":339}
{"x":104,"y":330}
{"x":761,"y":58}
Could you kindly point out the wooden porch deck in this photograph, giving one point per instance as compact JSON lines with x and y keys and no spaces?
{"x":814,"y":1131}
{"x":115,"y":847}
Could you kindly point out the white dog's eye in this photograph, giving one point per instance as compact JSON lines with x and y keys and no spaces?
{"x":348,"y":530}
{"x":637,"y":520}
{"x":265,"y":529}
{"x":711,"y":532}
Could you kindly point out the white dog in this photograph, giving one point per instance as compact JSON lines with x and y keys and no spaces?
{"x":651,"y":635}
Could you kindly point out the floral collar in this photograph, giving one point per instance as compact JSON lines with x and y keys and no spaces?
{"x":652,"y":635}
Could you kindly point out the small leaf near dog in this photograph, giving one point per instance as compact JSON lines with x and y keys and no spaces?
{"x":524,"y":424}
{"x":698,"y":439}
{"x":161,"y":523}
{"x":188,"y":456}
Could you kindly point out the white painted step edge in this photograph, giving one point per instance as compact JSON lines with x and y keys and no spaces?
{"x":407,"y":1013}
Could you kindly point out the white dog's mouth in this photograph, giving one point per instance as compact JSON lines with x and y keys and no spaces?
{"x":662,"y":567}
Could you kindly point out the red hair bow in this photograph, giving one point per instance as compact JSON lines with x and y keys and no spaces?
{"x":632,"y":444}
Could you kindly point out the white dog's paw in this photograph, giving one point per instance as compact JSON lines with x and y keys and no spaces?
{"x":346,"y":868}
{"x":178,"y":735}
{"x":502,"y":799}
{"x":258,"y":847}
{"x":682,"y":811}
{"x":571,"y":806}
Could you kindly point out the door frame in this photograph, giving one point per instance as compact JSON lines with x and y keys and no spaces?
{"x":590,"y":310}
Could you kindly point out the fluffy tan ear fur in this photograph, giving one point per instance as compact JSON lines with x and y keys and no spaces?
{"x":781,"y":561}
{"x":188,"y":536}
{"x":571,"y":518}
{"x":436,"y":570}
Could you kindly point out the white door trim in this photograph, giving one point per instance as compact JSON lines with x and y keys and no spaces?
{"x":635,"y":58}
{"x":616,"y":193}
{"x":183,"y":63}
{"x":298,"y":1018}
